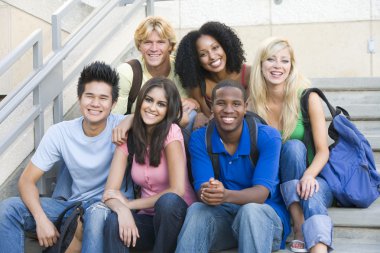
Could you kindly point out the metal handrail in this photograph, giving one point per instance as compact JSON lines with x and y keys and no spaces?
{"x":32,"y":84}
{"x":35,"y":41}
{"x":56,"y":19}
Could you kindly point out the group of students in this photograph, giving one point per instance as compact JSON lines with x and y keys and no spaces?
{"x":246,"y":206}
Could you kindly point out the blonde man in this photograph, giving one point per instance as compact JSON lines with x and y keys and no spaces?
{"x":156,"y":40}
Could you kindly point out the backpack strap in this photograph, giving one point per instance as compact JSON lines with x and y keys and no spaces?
{"x":66,"y":227}
{"x":308,"y":136}
{"x":136,"y":83}
{"x":67,"y":231}
{"x":252,"y":119}
{"x":243,"y":69}
{"x":252,"y":126}
{"x":203,"y":87}
{"x":213,"y":156}
{"x":73,"y":206}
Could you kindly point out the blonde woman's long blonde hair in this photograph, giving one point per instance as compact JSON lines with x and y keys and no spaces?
{"x":295,"y":83}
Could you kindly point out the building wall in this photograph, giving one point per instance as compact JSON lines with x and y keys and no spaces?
{"x":15,"y":26}
{"x":330,"y":37}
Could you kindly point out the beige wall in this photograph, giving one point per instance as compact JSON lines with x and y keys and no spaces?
{"x":376,"y":56}
{"x":323,"y":50}
{"x":15,"y":27}
{"x":329,"y":36}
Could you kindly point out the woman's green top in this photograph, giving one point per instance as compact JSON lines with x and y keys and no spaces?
{"x":298,"y":134}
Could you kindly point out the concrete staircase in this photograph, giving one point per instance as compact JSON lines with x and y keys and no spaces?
{"x":355,"y":230}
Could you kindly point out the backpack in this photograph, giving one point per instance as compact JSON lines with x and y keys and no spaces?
{"x":136,"y":83}
{"x":131,"y":153}
{"x":252,"y":119}
{"x":66,"y":228}
{"x":350,"y":171}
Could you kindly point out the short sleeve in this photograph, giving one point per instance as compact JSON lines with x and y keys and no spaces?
{"x":175,"y":134}
{"x":48,"y":151}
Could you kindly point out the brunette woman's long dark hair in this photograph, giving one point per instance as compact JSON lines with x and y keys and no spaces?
{"x":161,"y":130}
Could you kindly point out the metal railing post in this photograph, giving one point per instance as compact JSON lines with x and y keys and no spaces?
{"x":39,"y":121}
{"x":56,"y":32}
{"x":149,"y":7}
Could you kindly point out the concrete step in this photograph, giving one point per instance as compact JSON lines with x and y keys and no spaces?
{"x":340,"y":84}
{"x":368,"y":127}
{"x":364,"y":235}
{"x":340,"y":246}
{"x":356,"y":217}
{"x":355,"y":230}
{"x":359,"y":112}
{"x":342,"y":97}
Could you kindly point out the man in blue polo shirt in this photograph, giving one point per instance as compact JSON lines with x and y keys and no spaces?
{"x":244,"y":207}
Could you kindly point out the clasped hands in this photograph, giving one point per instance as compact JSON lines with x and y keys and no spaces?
{"x":213,"y":192}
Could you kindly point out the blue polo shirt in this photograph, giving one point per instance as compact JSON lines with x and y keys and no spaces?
{"x":237,"y":171}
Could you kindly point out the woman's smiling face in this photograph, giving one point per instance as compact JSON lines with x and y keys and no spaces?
{"x":276,"y":67}
{"x":154,"y":107}
{"x":211,"y":54}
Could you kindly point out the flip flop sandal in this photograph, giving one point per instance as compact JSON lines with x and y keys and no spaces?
{"x":297,"y":250}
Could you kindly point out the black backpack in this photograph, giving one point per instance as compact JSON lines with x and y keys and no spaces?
{"x":131,"y":153}
{"x":136,"y":83}
{"x":66,"y":228}
{"x":252,"y":119}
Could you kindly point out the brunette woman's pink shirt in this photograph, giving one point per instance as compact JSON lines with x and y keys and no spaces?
{"x":154,"y":180}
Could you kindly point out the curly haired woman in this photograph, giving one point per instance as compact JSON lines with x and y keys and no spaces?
{"x":207,"y":56}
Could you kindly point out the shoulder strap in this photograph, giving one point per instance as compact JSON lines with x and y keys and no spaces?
{"x":213,"y":156}
{"x":308,"y":137}
{"x":252,"y":126}
{"x":251,"y":119}
{"x":136,"y":83}
{"x":243,"y":83}
{"x":203,"y":87}
{"x":305,"y":101}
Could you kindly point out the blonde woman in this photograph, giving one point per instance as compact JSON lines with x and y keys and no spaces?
{"x":275,"y":90}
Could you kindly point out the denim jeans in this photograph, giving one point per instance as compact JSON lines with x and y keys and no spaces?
{"x":158,"y":232}
{"x":318,"y":226}
{"x":254,"y":228}
{"x":15,"y":218}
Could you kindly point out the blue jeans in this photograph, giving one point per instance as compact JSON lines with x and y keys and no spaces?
{"x":15,"y":218}
{"x":158,"y":232}
{"x":318,"y":226}
{"x":254,"y":228}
